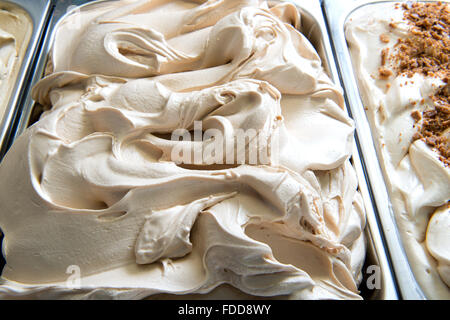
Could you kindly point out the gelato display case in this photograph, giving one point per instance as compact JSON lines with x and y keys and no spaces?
{"x":300,"y":208}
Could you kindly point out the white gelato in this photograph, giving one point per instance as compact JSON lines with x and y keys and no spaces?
{"x":418,"y":181}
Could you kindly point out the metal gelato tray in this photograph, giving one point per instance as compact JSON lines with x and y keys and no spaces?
{"x":38,"y":12}
{"x":337,"y":12}
{"x":314,"y":28}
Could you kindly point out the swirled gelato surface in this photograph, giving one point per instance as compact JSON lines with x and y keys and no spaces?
{"x":94,"y":204}
{"x":417,"y":175}
{"x":15,"y":32}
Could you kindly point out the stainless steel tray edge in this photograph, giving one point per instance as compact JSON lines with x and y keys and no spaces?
{"x":38,"y":11}
{"x":336,"y":12}
{"x":313,"y":7}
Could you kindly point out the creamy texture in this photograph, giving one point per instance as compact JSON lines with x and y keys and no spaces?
{"x":417,"y":180}
{"x":15,"y":32}
{"x":94,"y":184}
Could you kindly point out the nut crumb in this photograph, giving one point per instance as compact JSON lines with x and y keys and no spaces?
{"x":384,"y":56}
{"x":425,"y":51}
{"x":385,"y":73}
{"x":384,"y":38}
{"x":416,"y":115}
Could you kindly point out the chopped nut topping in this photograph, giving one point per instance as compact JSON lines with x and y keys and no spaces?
{"x":435,"y":123}
{"x":426,"y":51}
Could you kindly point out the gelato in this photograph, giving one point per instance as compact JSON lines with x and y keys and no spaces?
{"x":401,"y":59}
{"x":187,"y":146}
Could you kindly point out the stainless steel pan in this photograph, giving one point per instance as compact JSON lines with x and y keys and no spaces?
{"x":314,"y":27}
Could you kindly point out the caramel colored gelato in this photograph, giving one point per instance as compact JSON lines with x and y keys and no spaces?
{"x":95,"y":202}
